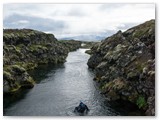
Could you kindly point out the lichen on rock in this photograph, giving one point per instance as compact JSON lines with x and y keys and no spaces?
{"x":124,"y":64}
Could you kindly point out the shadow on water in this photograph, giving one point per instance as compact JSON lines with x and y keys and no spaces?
{"x":11,"y":99}
{"x":42,"y":72}
{"x":38,"y":74}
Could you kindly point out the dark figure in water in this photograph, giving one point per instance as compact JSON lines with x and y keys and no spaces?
{"x":81,"y":108}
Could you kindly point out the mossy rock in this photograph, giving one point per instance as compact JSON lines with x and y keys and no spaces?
{"x":113,"y":95}
{"x":108,"y":85}
{"x":29,"y":66}
{"x":18,"y":49}
{"x":37,"y":47}
{"x":13,"y":48}
{"x":6,"y":60}
{"x":29,"y":83}
{"x":116,"y":85}
{"x":7,"y":75}
{"x":18,"y":69}
{"x":15,"y":88}
{"x":133,"y":75}
{"x":119,"y":84}
{"x":133,"y":97}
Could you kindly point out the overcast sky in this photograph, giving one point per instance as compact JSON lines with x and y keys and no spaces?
{"x":67,"y":20}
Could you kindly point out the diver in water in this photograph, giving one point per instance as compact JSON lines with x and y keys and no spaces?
{"x":81,"y":108}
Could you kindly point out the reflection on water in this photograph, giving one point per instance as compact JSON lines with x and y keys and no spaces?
{"x":59,"y":90}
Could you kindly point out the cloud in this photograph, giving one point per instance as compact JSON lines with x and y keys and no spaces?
{"x":23,"y":21}
{"x":110,"y":6}
{"x":76,"y":12}
{"x":42,"y":24}
{"x":77,"y":19}
{"x":124,"y":27}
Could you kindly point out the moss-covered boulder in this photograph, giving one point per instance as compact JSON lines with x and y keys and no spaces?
{"x":16,"y":77}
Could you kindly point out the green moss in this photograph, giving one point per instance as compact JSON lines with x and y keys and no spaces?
{"x":30,"y":80}
{"x":37,"y":47}
{"x":6,"y":60}
{"x":15,"y":88}
{"x":18,"y":69}
{"x":140,"y":33}
{"x":6,"y":36}
{"x":7,"y":68}
{"x":29,"y":83}
{"x":20,"y":46}
{"x":29,"y":66}
{"x":19,"y":32}
{"x":7,"y":75}
{"x":140,"y":67}
{"x":18,"y":49}
{"x":143,"y":28}
{"x":141,"y":102}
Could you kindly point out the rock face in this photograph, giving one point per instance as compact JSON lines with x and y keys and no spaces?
{"x":24,"y":50}
{"x":124,"y":65}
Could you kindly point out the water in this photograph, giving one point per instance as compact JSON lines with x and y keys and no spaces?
{"x":59,"y":90}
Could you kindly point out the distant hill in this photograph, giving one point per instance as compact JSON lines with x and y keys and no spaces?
{"x":85,"y":38}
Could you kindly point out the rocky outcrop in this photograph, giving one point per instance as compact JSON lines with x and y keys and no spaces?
{"x":24,"y":50}
{"x":72,"y":45}
{"x":124,"y":65}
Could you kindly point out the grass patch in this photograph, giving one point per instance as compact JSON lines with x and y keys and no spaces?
{"x":141,"y":102}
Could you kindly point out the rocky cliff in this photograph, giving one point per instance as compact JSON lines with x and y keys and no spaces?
{"x":124,"y":65}
{"x":25,"y":49}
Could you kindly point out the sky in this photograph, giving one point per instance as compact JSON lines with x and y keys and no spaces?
{"x":77,"y":21}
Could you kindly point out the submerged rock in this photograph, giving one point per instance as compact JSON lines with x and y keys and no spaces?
{"x":125,"y":67}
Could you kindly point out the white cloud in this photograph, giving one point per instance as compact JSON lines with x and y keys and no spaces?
{"x":23,"y":21}
{"x":84,"y":18}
